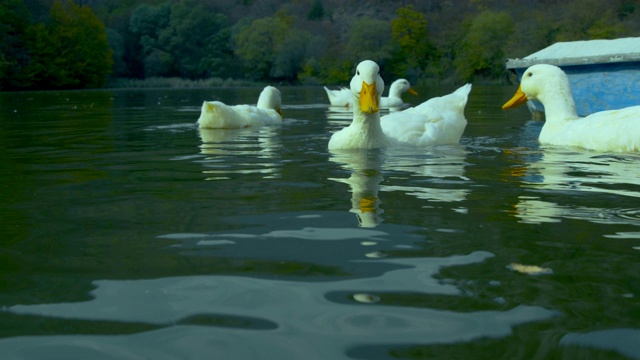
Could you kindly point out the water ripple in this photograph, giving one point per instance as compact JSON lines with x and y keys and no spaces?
{"x":286,"y":312}
{"x":569,"y":171}
{"x":241,"y":152}
{"x":534,"y":210}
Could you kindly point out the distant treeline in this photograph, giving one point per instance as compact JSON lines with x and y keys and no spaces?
{"x":66,"y":44}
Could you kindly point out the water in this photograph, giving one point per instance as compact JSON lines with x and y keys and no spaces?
{"x":127,"y":233}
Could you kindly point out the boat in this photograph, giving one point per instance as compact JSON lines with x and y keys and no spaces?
{"x":604,"y":74}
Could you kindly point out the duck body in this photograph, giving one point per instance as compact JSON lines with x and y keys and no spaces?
{"x":217,"y":115}
{"x":611,"y":130}
{"x":437,"y":121}
{"x":340,"y":97}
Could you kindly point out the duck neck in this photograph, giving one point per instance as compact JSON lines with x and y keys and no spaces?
{"x":368,"y":122}
{"x":395,"y":92}
{"x":559,"y":104}
{"x":369,"y":128}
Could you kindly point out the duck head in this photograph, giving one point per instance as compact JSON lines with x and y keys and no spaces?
{"x":367,"y":86}
{"x":270,"y":98}
{"x":538,"y":81}
{"x":401,"y":85}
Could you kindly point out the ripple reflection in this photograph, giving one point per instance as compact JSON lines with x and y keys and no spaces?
{"x":366,"y":175}
{"x":241,"y":151}
{"x":296,"y":319}
{"x":579,"y":174}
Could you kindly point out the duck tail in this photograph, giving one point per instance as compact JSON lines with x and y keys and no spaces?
{"x":464,"y":90}
{"x":463,"y":93}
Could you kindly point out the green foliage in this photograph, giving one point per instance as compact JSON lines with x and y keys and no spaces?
{"x":370,"y":39}
{"x":255,"y":46}
{"x":290,"y":56}
{"x":269,"y":50}
{"x":311,"y":41}
{"x":195,"y":38}
{"x":13,"y":53}
{"x":481,"y":52}
{"x":591,"y":19}
{"x":146,"y":24}
{"x":317,"y":11}
{"x":147,"y":20}
{"x":182,"y":38}
{"x":72,"y":51}
{"x":409,"y":31}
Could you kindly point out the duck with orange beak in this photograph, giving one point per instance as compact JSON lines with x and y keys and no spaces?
{"x":612,"y":130}
{"x":437,"y":121}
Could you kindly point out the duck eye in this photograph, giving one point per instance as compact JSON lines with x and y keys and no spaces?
{"x":358,"y":72}
{"x":529,"y":74}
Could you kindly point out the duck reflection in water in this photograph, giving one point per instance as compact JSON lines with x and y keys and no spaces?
{"x":366,"y":175}
{"x":580,"y":173}
{"x":253,"y":151}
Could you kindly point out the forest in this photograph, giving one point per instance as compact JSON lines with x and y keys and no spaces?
{"x":66,"y":44}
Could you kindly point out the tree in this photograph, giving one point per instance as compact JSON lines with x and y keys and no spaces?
{"x":146,"y":24}
{"x":317,"y":11}
{"x":290,"y":56}
{"x":369,"y":39}
{"x":256,"y":43}
{"x":197,"y":39}
{"x":409,"y":31}
{"x":481,"y":52}
{"x":14,"y":20}
{"x":588,"y":19}
{"x":71,"y":52}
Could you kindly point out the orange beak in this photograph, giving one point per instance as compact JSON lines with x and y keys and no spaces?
{"x":369,"y":98}
{"x":518,"y":99}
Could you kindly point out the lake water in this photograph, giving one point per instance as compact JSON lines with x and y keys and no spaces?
{"x":127,"y":233}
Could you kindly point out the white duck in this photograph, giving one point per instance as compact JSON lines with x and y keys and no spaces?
{"x":217,"y":115}
{"x":340,"y":97}
{"x":344,"y":97}
{"x":612,"y":130}
{"x":396,"y":90}
{"x":437,"y":121}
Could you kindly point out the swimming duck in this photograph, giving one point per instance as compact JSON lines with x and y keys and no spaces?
{"x":340,"y":97}
{"x":344,"y":97}
{"x":396,"y":90}
{"x":437,"y":121}
{"x":217,"y":115}
{"x":612,"y":130}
